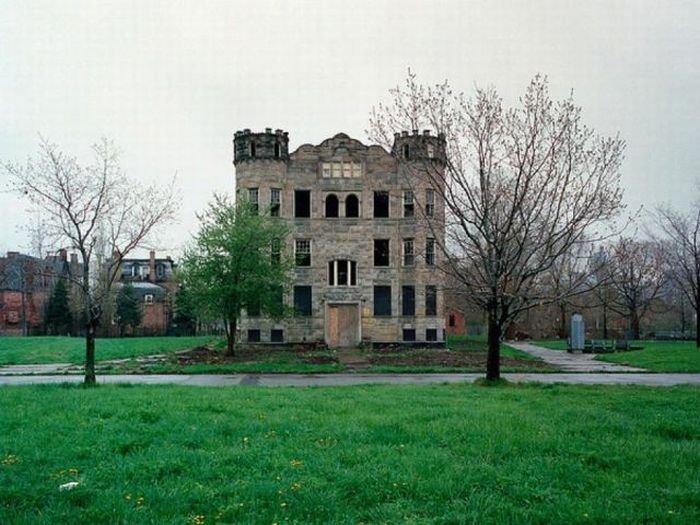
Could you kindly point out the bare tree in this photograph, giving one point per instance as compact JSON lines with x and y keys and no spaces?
{"x":682,"y":231}
{"x":638,"y":274}
{"x":95,"y":210}
{"x":520,"y":187}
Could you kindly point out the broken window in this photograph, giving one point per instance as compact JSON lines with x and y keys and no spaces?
{"x":408,"y":210}
{"x":429,"y":203}
{"x":381,"y":204}
{"x":302,"y":252}
{"x":382,"y":300}
{"x":331,"y":206}
{"x":381,"y":252}
{"x":302,"y":301}
{"x":352,"y":206}
{"x":275,"y":202}
{"x":430,"y":251}
{"x":342,"y":273}
{"x":408,"y":300}
{"x":302,"y":203}
{"x":430,"y":300}
{"x":253,"y":199}
{"x":408,"y":256}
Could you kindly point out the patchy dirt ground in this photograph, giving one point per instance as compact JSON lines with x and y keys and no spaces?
{"x":446,"y":358}
{"x":434,"y":357}
{"x":259,"y":354}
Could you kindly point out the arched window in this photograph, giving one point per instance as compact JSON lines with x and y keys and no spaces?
{"x":331,"y":206}
{"x":352,"y":206}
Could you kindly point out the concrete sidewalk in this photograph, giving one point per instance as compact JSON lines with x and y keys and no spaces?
{"x":308,"y":380}
{"x":574,"y":362}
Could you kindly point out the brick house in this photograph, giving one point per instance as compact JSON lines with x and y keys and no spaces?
{"x":365,"y":228}
{"x":26,"y":283}
{"x":153,"y":280}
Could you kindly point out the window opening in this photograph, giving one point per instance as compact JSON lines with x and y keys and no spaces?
{"x":352,"y":206}
{"x":408,"y":300}
{"x":409,"y":334}
{"x":430,"y":251}
{"x":276,"y":335}
{"x":253,"y":199}
{"x":430,"y":300}
{"x":408,"y":256}
{"x":381,"y":252}
{"x":277,"y":150}
{"x":381,"y":204}
{"x":302,"y":203}
{"x":406,"y":152}
{"x":382,"y":300}
{"x":429,"y":203}
{"x":302,"y":301}
{"x":431,"y":334}
{"x":275,"y":202}
{"x":408,"y":210}
{"x":253,"y":335}
{"x":302,"y":252}
{"x":331,"y":206}
{"x":342,"y":273}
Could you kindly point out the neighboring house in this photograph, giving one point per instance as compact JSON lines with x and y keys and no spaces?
{"x":154,"y":282}
{"x":365,"y":227}
{"x":26,"y":283}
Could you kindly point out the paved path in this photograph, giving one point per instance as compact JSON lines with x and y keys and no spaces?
{"x":306,"y":380}
{"x":572,"y":362}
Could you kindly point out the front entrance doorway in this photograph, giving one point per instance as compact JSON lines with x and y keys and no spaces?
{"x":343,"y":325}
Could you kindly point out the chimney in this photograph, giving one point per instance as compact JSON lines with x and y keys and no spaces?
{"x":62,"y":254}
{"x":152,"y":266}
{"x":12,"y":255}
{"x":74,"y":259}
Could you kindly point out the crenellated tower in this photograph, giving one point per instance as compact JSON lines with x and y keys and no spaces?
{"x":260,"y":146}
{"x":419,"y":147}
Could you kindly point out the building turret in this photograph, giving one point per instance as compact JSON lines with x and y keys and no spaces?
{"x":260,"y":146}
{"x":419,"y":147}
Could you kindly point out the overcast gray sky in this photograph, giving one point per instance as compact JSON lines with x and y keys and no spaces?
{"x":171,"y":81}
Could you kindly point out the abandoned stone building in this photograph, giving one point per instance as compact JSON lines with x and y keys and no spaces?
{"x":365,"y":228}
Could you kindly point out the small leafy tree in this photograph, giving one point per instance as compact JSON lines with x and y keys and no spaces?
{"x":235,"y":264}
{"x":128,"y":312}
{"x":59,"y":318}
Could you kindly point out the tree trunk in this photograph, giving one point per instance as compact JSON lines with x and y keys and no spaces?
{"x":493,"y":358}
{"x":605,"y":321}
{"x":231,"y":336}
{"x":635,"y":324}
{"x":562,"y":321}
{"x":90,"y":355}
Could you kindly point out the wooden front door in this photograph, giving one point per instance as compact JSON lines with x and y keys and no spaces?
{"x":343,"y":325}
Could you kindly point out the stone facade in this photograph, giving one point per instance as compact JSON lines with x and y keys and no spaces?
{"x":365,"y":227}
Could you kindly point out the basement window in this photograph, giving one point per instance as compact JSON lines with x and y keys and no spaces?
{"x":431,"y":334}
{"x":409,"y":335}
{"x":276,"y":336}
{"x":254,"y":336}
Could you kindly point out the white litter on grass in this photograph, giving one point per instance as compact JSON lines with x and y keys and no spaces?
{"x":68,"y":486}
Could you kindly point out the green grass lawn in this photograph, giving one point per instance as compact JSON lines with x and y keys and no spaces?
{"x":656,"y":356}
{"x":24,"y":350}
{"x":374,"y":454}
{"x":479,"y":344}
